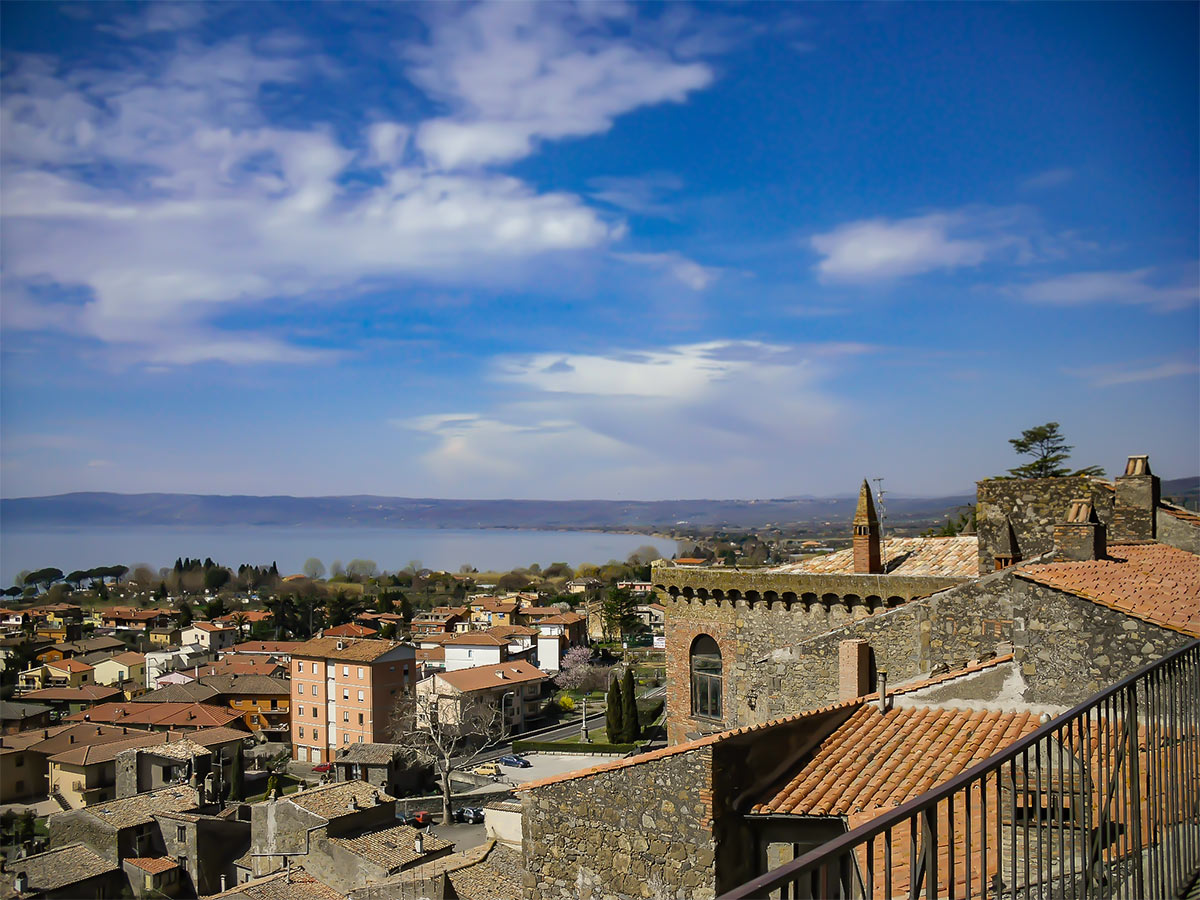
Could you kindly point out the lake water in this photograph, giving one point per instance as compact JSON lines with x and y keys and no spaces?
{"x":391,"y":549}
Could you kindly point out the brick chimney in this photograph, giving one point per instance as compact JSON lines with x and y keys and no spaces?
{"x":854,"y":669}
{"x":1080,"y":536}
{"x":867,"y":557}
{"x":1137,"y":498}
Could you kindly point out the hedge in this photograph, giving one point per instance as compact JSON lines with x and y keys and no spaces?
{"x":570,"y":747}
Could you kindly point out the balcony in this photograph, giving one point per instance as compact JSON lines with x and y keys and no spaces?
{"x":1103,"y":801}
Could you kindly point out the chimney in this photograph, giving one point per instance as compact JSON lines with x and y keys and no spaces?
{"x":883,"y":703}
{"x":419,"y":843}
{"x":1080,"y":536}
{"x":21,"y":883}
{"x":854,"y":669}
{"x":867,"y":559}
{"x":222,"y":883}
{"x":1137,"y":496}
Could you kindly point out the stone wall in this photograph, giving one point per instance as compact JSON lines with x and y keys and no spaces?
{"x":1031,"y":506}
{"x":1067,"y":648}
{"x":210,"y":845}
{"x":749,"y":632}
{"x":1178,"y":532}
{"x":78,"y":825}
{"x":640,"y":831}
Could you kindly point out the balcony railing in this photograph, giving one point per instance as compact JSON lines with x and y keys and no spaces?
{"x":1102,"y":802}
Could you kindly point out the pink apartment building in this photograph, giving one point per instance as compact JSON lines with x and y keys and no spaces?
{"x":344,"y":691}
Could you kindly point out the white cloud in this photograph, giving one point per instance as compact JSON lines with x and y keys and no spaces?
{"x":880,"y":249}
{"x":211,"y":208}
{"x":876,"y":249}
{"x":1145,"y":287}
{"x":1134,"y":373}
{"x":513,"y":74}
{"x":640,"y":422}
{"x":678,"y":266}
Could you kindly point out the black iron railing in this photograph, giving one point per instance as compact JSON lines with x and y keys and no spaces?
{"x":1102,"y":802}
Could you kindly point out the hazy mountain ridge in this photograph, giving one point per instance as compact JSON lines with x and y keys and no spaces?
{"x":367,"y":511}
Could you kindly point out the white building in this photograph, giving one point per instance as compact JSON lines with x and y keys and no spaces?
{"x":209,"y":636}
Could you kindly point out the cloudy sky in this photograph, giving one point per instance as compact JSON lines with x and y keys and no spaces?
{"x":594,"y":250}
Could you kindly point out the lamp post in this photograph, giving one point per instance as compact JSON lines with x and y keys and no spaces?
{"x":583,"y":729}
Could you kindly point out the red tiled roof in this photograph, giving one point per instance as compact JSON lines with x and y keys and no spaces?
{"x":69,"y":665}
{"x":155,"y":865}
{"x":475,"y":639}
{"x":879,"y":760}
{"x":761,"y":726}
{"x":500,"y":675}
{"x":1153,"y":582}
{"x":84,"y":691}
{"x":264,"y":647}
{"x":956,"y":557}
{"x":430,"y":655}
{"x":129,"y":658}
{"x":191,"y":715}
{"x":210,"y":627}
{"x":350,"y":630}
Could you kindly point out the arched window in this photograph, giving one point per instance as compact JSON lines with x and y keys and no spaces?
{"x":706,"y":678}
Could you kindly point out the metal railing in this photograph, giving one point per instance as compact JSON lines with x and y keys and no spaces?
{"x":1102,"y":802}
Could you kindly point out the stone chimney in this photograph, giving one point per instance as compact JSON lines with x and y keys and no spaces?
{"x":1137,"y":498}
{"x":1080,"y":536}
{"x":867,"y":557}
{"x":854,"y":669}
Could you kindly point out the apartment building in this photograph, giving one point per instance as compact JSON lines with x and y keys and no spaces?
{"x":344,"y":691}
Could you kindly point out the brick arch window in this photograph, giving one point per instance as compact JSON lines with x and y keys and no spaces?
{"x":706,"y":678}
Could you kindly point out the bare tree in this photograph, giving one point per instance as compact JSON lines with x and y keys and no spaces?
{"x":448,"y":733}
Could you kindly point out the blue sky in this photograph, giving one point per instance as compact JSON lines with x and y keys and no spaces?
{"x":595,"y":250}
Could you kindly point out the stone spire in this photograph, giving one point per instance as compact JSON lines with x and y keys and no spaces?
{"x":867,"y":556}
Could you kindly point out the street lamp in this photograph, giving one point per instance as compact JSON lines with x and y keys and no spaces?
{"x":583,"y":729}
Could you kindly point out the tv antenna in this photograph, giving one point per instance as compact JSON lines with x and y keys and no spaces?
{"x":879,"y":492}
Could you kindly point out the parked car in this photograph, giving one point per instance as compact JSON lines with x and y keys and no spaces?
{"x":490,"y":769}
{"x":323,"y":767}
{"x":421,"y":818}
{"x":472,"y":815}
{"x":519,"y":761}
{"x":406,"y":818}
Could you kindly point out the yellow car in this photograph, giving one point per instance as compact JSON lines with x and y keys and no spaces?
{"x":490,"y":769}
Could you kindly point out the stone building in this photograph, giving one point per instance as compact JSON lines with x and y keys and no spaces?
{"x":745,"y":646}
{"x":693,"y":820}
{"x":70,"y":872}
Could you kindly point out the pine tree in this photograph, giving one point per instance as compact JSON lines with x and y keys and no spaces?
{"x":613,"y":714}
{"x":629,"y":713}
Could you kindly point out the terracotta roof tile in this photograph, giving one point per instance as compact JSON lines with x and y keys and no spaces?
{"x":350,"y":630}
{"x":56,"y":869}
{"x":293,"y":884}
{"x":953,"y":557}
{"x":392,"y":848}
{"x":141,"y":809}
{"x":762,"y":726}
{"x":874,"y":760}
{"x":155,"y":865}
{"x":333,"y":800}
{"x":499,"y":675}
{"x":93,"y":692}
{"x":476,"y":639}
{"x":352,"y":649}
{"x":186,"y":715}
{"x":1153,"y":582}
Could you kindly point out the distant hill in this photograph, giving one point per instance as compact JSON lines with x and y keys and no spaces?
{"x":91,"y":510}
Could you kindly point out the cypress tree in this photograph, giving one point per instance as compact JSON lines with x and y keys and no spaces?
{"x":629,"y":713}
{"x":235,"y":776}
{"x":613,"y":718}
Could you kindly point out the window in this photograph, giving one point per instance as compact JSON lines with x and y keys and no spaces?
{"x":360,"y":673}
{"x":706,"y":678}
{"x":314,"y":712}
{"x":345,"y":693}
{"x":316,"y":734}
{"x":360,"y":740}
{"x":181,"y":832}
{"x":301,"y":731}
{"x":20,"y":761}
{"x":300,"y":667}
{"x":345,"y":738}
{"x":345,"y":715}
{"x":360,"y":718}
{"x":361,"y":696}
{"x":182,"y":860}
{"x":300,"y":689}
{"x":345,"y":671}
